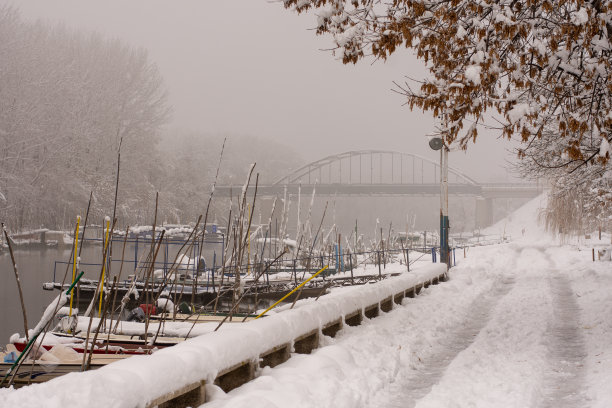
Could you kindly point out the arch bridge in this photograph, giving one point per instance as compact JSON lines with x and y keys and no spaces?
{"x":382,"y":173}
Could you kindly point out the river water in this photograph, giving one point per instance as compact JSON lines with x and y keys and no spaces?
{"x":36,"y":266}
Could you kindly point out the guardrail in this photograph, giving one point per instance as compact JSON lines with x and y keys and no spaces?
{"x":175,"y":376}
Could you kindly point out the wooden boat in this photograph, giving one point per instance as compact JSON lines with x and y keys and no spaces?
{"x":116,"y":344}
{"x":203,"y":317}
{"x":41,"y":371}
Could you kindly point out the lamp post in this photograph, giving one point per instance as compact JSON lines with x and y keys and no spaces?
{"x":437,"y":143}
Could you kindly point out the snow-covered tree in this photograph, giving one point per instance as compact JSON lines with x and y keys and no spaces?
{"x":67,"y":98}
{"x":190,"y":164}
{"x":544,"y":66}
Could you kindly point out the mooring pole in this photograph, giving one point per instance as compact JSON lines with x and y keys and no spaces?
{"x":213,"y":270}
{"x":351,"y":266}
{"x":74,"y":260}
{"x":408,"y":259}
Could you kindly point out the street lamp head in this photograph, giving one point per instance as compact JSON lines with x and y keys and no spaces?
{"x":436,"y":143}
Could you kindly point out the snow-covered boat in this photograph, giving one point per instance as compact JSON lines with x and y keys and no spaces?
{"x":50,"y":364}
{"x":105,"y":344}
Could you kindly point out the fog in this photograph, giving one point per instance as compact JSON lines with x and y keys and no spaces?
{"x":247,"y":71}
{"x":251,"y":68}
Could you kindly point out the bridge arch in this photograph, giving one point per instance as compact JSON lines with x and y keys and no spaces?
{"x":372,"y":167}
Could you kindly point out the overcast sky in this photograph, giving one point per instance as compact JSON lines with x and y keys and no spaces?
{"x":250,"y":67}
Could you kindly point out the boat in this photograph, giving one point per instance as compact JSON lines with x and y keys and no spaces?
{"x":105,"y":344}
{"x":204,"y":317}
{"x":45,"y":369}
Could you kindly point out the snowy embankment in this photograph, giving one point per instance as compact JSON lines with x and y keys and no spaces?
{"x":524,"y":324}
{"x":135,"y":381}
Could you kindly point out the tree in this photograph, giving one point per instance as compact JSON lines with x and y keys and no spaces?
{"x":67,"y":99}
{"x":544,"y":66}
{"x":191,"y":160}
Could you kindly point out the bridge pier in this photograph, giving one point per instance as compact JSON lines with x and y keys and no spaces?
{"x":484,"y":212}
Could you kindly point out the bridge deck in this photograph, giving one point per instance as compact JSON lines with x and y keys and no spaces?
{"x":432,"y":189}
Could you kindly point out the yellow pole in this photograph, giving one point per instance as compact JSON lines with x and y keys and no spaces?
{"x":101,"y":283}
{"x":290,"y":293}
{"x":249,"y":243}
{"x":74,"y":260}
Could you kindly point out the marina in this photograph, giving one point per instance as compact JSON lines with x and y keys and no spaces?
{"x":173,"y":300}
{"x":202,"y":206}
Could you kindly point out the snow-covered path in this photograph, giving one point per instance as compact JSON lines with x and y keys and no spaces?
{"x":565,"y":377}
{"x":413,"y":385}
{"x":521,"y":324}
{"x":508,"y":330}
{"x":519,"y":357}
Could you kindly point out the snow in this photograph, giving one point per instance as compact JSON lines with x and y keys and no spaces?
{"x":60,"y":353}
{"x":49,"y":313}
{"x":502,"y":18}
{"x":174,"y":329}
{"x":540,"y":46}
{"x":137,"y":379}
{"x":472,"y":73}
{"x":165,"y":304}
{"x":522,"y":324}
{"x":461,"y":32}
{"x":580,"y":17}
{"x":290,"y":242}
{"x":324,"y":15}
{"x":605,"y":148}
{"x":522,"y":223}
{"x":517,"y":112}
{"x":478,"y":57}
{"x":519,"y":324}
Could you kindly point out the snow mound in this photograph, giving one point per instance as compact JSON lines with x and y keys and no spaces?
{"x":524,"y":223}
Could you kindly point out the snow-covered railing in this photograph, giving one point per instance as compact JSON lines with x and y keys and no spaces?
{"x":175,"y":376}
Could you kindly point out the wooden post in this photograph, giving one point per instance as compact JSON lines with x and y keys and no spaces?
{"x":23,"y":309}
{"x":600,"y":232}
{"x":213,"y":270}
{"x":383,"y":255}
{"x":408,"y":259}
{"x":101,"y":281}
{"x":339,"y":251}
{"x":593,"y":254}
{"x":74,"y":260}
{"x":351,"y":266}
{"x":379,"y":271}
